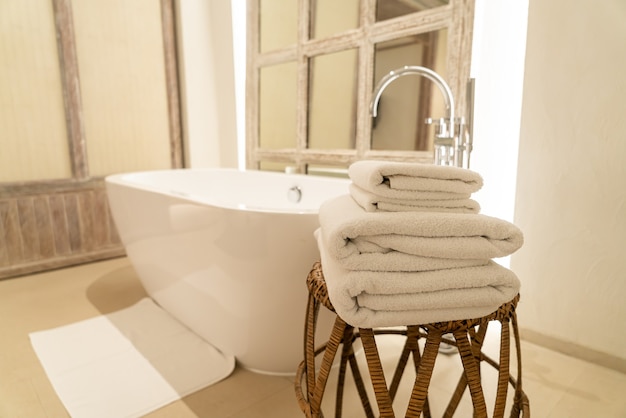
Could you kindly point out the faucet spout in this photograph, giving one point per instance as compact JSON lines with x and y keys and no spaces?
{"x":425,"y":72}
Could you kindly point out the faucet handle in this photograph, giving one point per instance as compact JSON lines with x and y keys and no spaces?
{"x":442,"y":130}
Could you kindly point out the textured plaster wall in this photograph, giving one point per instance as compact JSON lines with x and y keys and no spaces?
{"x":571,"y":187}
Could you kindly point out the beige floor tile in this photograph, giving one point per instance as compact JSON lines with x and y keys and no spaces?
{"x":594,"y":389}
{"x":178,"y":409}
{"x":557,"y":385}
{"x":547,"y":376}
{"x":234,"y":395}
{"x":282,"y":404}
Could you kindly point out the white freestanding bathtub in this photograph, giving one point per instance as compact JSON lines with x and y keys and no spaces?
{"x":226,"y":252}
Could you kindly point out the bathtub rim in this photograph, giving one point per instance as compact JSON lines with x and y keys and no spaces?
{"x":125,"y":180}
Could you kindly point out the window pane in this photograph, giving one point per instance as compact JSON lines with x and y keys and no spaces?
{"x":388,"y":9}
{"x":278,"y":23}
{"x":340,"y":171}
{"x":274,"y":166}
{"x":332,"y":101}
{"x":409,"y":100}
{"x":329,"y":17}
{"x":277,"y":106}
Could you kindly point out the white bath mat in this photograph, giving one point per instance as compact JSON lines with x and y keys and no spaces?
{"x":127,"y":363}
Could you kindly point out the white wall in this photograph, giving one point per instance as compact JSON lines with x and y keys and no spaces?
{"x":498,"y":52}
{"x":571,"y":190}
{"x":570,"y":195}
{"x":207,"y":83}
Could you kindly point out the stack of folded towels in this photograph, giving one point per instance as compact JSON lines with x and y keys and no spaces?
{"x":408,"y":246}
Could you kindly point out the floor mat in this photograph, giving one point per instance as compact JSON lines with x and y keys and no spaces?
{"x":127,"y":363}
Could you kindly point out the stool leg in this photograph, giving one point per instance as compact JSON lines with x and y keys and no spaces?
{"x":335,"y":339}
{"x":456,"y":397}
{"x":346,"y":351}
{"x":419,"y":395}
{"x":410,"y":346}
{"x":348,"y":357}
{"x":503,"y":370}
{"x":521,"y":400}
{"x":477,"y":338}
{"x":358,"y":379}
{"x":312,"y":311}
{"x":376,"y":373}
{"x":472,"y":373}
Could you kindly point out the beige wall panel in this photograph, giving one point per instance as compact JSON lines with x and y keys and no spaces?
{"x":33,"y":138}
{"x":571,"y":190}
{"x":119,"y":46}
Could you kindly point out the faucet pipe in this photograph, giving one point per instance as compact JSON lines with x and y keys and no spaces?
{"x":425,"y":72}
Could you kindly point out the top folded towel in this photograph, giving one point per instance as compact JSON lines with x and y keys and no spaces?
{"x":372,"y":202}
{"x":398,"y":180}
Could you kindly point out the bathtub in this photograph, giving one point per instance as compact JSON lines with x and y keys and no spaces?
{"x":227,"y":252}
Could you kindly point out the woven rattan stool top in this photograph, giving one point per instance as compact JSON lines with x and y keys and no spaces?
{"x":468,"y":336}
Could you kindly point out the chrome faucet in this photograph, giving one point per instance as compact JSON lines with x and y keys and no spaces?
{"x":448,"y":146}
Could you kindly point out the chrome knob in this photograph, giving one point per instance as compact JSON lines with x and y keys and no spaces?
{"x":294,"y":194}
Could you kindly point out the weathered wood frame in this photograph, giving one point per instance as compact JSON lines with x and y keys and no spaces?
{"x":457,"y":17}
{"x":56,"y":223}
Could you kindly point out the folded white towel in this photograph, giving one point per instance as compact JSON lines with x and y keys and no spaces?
{"x":382,"y":299}
{"x":400,"y":180}
{"x":412,"y":241}
{"x":373,"y":203}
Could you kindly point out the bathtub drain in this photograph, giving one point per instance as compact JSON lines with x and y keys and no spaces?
{"x":294,"y":194}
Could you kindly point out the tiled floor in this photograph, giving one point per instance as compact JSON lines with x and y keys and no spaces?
{"x":557,"y":385}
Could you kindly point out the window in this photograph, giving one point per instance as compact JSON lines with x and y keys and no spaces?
{"x":312,"y":68}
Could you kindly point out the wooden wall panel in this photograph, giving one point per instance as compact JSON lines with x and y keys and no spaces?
{"x":12,"y":237}
{"x":86,"y":219}
{"x":100,"y":228}
{"x":59,"y":225}
{"x":46,"y":230}
{"x":73,"y":225}
{"x":4,"y":248}
{"x":44,"y":226}
{"x":28,"y":229}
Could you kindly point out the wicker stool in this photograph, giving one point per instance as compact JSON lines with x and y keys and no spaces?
{"x":468,"y":338}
